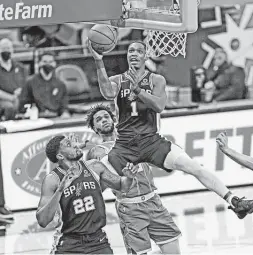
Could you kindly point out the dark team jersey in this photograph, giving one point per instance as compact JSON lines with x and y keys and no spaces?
{"x":143,"y":182}
{"x":82,"y":205}
{"x":134,"y":116}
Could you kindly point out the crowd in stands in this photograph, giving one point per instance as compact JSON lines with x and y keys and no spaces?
{"x":223,"y":81}
{"x":43,"y":90}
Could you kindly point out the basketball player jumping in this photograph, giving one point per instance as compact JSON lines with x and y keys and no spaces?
{"x":140,"y":210}
{"x":74,"y":185}
{"x":140,"y":96}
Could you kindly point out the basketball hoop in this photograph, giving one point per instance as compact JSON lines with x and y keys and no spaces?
{"x":162,"y":23}
{"x":164,"y":43}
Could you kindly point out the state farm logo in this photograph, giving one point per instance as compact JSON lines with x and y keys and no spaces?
{"x":31,"y":165}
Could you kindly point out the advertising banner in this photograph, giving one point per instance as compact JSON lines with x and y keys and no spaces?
{"x":25,"y":165}
{"x":15,"y":13}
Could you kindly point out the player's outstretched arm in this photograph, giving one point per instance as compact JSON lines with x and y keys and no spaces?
{"x":110,"y":179}
{"x":239,"y":158}
{"x":109,"y":87}
{"x":156,"y":100}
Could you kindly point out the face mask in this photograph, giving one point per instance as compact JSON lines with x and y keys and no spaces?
{"x":47,"y":68}
{"x":6,"y":55}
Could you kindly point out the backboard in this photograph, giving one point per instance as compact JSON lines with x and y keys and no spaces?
{"x":164,"y":15}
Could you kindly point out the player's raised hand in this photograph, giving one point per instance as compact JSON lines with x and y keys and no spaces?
{"x":67,"y":179}
{"x":222,"y":140}
{"x":75,"y":141}
{"x":95,"y":54}
{"x":130,"y":170}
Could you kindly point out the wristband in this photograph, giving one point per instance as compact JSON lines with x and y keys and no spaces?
{"x":99,"y":64}
{"x":137,"y":91}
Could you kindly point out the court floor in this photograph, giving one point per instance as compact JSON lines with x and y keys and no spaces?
{"x":207,"y":227}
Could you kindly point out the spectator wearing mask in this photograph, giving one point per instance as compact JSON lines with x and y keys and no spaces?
{"x":12,"y":79}
{"x":45,"y":90}
{"x":226,"y":80}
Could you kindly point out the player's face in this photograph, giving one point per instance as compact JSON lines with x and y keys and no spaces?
{"x":136,"y":55}
{"x":69,"y":150}
{"x":103,"y":123}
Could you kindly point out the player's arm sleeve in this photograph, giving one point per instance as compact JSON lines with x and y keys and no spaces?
{"x":109,"y":87}
{"x":156,"y":100}
{"x":49,"y":201}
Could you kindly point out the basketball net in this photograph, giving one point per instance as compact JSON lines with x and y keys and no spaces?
{"x":163,"y":43}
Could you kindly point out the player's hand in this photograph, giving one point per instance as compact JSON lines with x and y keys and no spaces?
{"x":95,"y":54}
{"x":134,"y":77}
{"x":75,"y":141}
{"x":130,"y":170}
{"x":67,"y":179}
{"x":222,"y":141}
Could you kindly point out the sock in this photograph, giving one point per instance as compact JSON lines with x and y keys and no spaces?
{"x":228,"y":197}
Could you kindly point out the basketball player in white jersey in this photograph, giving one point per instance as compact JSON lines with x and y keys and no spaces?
{"x":140,"y":210}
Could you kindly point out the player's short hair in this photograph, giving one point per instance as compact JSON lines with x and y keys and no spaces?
{"x":140,"y":42}
{"x":53,"y":146}
{"x":94,"y":110}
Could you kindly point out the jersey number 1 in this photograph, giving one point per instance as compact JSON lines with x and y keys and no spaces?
{"x":134,"y":109}
{"x":84,"y":205}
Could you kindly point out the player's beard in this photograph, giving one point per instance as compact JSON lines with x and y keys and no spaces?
{"x":106,"y":131}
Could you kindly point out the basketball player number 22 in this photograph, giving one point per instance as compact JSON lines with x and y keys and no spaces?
{"x":84,"y":205}
{"x":134,"y":109}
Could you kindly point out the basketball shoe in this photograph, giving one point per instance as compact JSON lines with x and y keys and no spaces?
{"x":241,"y":206}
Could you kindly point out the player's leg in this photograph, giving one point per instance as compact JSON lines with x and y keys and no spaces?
{"x":133,"y":222}
{"x":119,"y":156}
{"x":162,"y":228}
{"x":178,"y":159}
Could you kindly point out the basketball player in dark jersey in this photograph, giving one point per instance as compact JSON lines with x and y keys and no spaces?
{"x":140,"y":210}
{"x":140,"y":97}
{"x":74,"y":186}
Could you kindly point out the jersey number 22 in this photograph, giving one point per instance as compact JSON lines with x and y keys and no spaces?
{"x":84,"y":205}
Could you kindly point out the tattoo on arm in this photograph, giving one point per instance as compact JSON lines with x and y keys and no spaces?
{"x":112,"y":180}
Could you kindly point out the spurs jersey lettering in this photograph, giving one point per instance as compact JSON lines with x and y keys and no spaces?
{"x":134,"y":116}
{"x":82,"y":205}
{"x":142,"y":184}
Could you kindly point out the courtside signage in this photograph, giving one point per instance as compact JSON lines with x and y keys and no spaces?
{"x":25,"y":165}
{"x":14,"y":13}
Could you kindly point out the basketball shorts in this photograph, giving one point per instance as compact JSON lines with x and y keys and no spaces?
{"x":140,"y":222}
{"x":152,"y":149}
{"x":96,"y":243}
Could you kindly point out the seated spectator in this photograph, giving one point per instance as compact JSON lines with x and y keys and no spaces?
{"x":45,"y":90}
{"x":226,"y":80}
{"x":12,"y":79}
{"x":198,"y":79}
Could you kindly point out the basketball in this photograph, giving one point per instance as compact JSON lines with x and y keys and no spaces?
{"x":103,"y":38}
